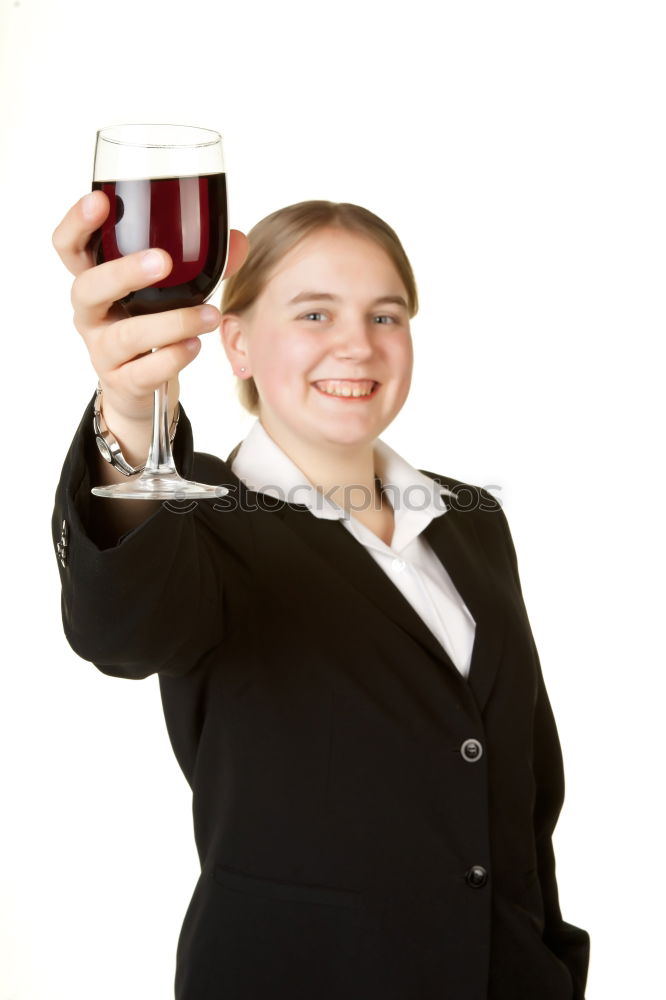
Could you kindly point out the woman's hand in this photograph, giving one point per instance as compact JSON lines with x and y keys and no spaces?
{"x":120,"y":346}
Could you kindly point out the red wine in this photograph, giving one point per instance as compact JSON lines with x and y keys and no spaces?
{"x":186,"y":216}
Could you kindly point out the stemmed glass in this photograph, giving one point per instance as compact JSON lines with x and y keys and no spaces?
{"x":167,"y":188}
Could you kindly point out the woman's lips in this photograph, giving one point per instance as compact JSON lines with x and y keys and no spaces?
{"x":344,"y":389}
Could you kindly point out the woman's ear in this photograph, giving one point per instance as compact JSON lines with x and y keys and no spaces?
{"x":234,"y":341}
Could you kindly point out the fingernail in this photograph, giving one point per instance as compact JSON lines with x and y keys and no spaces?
{"x":192,"y":344}
{"x":88,"y":206}
{"x":151,"y":262}
{"x":209,"y":314}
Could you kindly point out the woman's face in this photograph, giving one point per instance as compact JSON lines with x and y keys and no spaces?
{"x":333,"y":318}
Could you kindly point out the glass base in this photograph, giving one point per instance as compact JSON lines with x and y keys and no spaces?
{"x":159,"y":486}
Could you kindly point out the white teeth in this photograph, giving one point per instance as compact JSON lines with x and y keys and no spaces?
{"x":339,"y":388}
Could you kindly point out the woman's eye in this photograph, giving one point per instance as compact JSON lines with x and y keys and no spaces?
{"x":385,"y":319}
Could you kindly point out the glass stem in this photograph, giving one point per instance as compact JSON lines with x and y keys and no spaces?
{"x":160,"y":460}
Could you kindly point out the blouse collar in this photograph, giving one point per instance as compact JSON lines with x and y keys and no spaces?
{"x":415,"y":498}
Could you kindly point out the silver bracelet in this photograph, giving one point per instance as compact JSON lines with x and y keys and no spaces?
{"x":107,"y":445}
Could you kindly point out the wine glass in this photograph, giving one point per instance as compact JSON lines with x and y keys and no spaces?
{"x":167,"y":188}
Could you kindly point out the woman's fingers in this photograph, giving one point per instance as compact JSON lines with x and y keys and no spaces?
{"x":121,"y":347}
{"x":141,"y":376}
{"x":118,"y":343}
{"x":72,"y":236}
{"x":238,"y":251}
{"x":96,"y":290}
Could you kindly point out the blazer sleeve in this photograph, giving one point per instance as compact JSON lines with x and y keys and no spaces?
{"x":571,"y":944}
{"x":152,"y":600}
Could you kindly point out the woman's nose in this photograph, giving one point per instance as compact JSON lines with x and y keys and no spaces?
{"x":355,"y":340}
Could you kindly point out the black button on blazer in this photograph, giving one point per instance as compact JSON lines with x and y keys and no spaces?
{"x":371,"y":825}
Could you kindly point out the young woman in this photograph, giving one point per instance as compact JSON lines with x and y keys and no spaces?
{"x":347,"y":670}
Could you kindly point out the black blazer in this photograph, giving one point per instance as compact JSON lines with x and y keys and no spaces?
{"x":370,"y":824}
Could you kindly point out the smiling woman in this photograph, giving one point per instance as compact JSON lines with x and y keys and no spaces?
{"x":279,"y":233}
{"x":326,"y":387}
{"x":341,"y":642}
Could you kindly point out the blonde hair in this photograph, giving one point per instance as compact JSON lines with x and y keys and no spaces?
{"x":277,"y":234}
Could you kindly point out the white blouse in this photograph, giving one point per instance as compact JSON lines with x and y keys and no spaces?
{"x":408,"y":561}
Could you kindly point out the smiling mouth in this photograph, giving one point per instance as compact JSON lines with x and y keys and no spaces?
{"x":347,"y":388}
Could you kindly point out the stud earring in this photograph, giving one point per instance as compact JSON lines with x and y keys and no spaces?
{"x":243,"y":369}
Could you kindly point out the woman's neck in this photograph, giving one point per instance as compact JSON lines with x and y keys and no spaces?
{"x":344,"y":474}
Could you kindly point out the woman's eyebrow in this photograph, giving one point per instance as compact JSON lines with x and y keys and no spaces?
{"x":318,"y":296}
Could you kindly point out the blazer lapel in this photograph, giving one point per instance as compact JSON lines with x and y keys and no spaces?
{"x":344,"y":555}
{"x":465,"y":560}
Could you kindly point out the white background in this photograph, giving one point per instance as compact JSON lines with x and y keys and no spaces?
{"x":518,"y":150}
